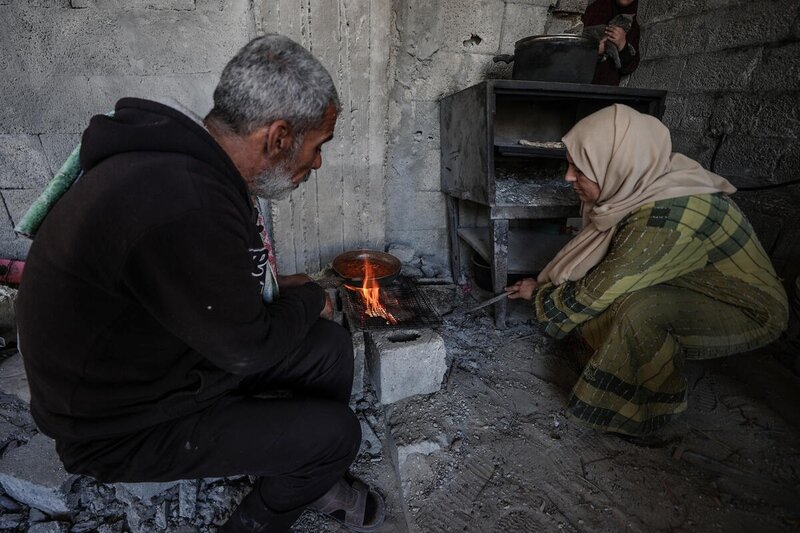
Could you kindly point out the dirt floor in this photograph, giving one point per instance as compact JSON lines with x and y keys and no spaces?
{"x":492,"y":451}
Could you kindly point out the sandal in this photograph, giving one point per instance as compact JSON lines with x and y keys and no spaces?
{"x":354,"y":504}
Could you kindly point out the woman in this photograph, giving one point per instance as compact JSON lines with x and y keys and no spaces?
{"x":601,"y":12}
{"x":666,"y":268}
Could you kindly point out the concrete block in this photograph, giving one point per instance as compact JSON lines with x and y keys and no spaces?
{"x":405,"y":363}
{"x":57,"y":147}
{"x":749,"y":157}
{"x":192,"y":90}
{"x":33,"y":474}
{"x":18,"y":201}
{"x":520,"y":21}
{"x":659,"y":73}
{"x":750,"y":24}
{"x":720,"y":71}
{"x":143,"y":492}
{"x":448,"y":73}
{"x":423,"y":210}
{"x":8,"y":298}
{"x":359,"y":363}
{"x":44,"y":94}
{"x":698,"y":146}
{"x":430,"y":27}
{"x":22,"y":162}
{"x":426,"y":242}
{"x":779,"y":69}
{"x":13,"y":379}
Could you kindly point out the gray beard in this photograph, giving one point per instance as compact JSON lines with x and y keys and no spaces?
{"x":274,"y":183}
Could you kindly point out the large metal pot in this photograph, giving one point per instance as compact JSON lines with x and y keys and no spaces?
{"x":561,"y":58}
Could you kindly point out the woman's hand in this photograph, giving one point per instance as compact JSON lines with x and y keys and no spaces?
{"x":522,"y":289}
{"x":616,"y":35}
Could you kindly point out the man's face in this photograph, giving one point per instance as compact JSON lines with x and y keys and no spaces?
{"x":279,"y":180}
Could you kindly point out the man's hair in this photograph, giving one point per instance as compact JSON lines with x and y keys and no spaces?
{"x":272,"y":78}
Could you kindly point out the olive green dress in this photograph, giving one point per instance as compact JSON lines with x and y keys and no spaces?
{"x":684,"y":278}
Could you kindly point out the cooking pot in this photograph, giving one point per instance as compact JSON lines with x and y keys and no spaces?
{"x":561,"y":58}
{"x":351,"y":266}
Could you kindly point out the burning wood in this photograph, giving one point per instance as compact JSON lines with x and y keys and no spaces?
{"x":370,"y":292}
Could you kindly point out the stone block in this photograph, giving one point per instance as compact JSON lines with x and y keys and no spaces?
{"x":675,"y":37}
{"x":33,"y":474}
{"x":405,"y":363}
{"x":779,"y":69}
{"x":748,"y":157}
{"x":735,"y":113}
{"x":659,"y":73}
{"x":698,"y":146}
{"x":520,"y":21}
{"x":750,"y":24}
{"x":720,"y":71}
{"x":143,"y":492}
{"x":22,"y":162}
{"x":788,"y":167}
{"x":359,"y":364}
{"x":690,"y":112}
{"x":13,"y":379}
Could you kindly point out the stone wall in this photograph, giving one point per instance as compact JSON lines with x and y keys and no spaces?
{"x":63,"y":61}
{"x":733,"y":71}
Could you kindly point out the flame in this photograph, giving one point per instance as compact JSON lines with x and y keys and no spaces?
{"x":370,"y":292}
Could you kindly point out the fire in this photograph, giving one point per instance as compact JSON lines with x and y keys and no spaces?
{"x":370,"y":292}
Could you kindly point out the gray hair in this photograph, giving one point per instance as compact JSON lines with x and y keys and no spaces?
{"x":272,"y":78}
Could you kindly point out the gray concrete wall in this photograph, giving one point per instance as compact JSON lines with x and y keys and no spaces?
{"x":342,"y":206}
{"x":733,"y":71}
{"x":440,"y":48}
{"x":63,"y":61}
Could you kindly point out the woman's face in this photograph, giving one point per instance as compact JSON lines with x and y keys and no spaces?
{"x":586,"y":189}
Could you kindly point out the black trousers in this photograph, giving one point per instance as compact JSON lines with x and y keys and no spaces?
{"x":298,"y":446}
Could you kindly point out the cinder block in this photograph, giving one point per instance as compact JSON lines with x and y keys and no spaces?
{"x":359,"y":363}
{"x":13,"y":379}
{"x":33,"y":474}
{"x":405,"y":363}
{"x":22,"y":162}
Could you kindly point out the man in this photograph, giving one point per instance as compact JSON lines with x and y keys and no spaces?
{"x":601,"y":12}
{"x":148,"y":318}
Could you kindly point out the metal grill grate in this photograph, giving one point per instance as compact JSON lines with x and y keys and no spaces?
{"x":404,"y":300}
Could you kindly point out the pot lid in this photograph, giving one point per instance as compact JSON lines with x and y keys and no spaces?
{"x":555,"y":38}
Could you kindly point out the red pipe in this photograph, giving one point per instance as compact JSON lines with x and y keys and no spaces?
{"x":11,"y":271}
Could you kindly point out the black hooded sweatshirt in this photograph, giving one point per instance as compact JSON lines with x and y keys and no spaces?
{"x":141,"y":298}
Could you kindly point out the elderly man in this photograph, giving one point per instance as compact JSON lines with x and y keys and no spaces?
{"x":150,"y":318}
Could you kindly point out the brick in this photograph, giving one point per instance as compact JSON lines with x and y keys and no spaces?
{"x":33,"y":474}
{"x":22,"y":161}
{"x":405,"y":363}
{"x":13,"y":379}
{"x":720,"y":71}
{"x":779,"y":69}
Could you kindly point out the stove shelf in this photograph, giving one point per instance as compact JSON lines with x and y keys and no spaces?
{"x":528,"y":250}
{"x":485,"y":169}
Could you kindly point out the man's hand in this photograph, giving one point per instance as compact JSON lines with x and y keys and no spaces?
{"x":295,"y":280}
{"x":327,"y":311}
{"x":522,"y":289}
{"x":616,"y":35}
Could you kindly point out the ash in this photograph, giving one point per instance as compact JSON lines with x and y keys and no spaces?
{"x":493,"y":451}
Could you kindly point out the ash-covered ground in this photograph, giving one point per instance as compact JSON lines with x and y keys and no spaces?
{"x":492,"y":451}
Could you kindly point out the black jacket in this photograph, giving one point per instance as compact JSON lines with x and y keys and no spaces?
{"x":141,"y":297}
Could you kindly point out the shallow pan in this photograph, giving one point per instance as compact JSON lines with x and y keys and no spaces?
{"x":351,"y":266}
